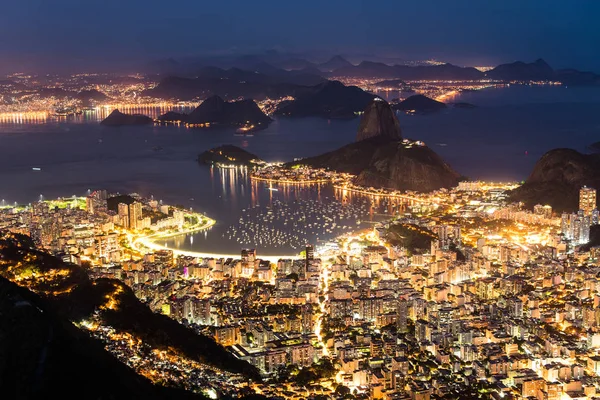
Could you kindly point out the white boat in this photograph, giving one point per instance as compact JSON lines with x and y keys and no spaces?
{"x":36,"y":169}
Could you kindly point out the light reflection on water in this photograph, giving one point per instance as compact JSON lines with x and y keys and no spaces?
{"x":501,"y":139}
{"x":280,"y":218}
{"x":96,"y":114}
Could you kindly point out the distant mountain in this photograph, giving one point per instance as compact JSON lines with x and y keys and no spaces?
{"x":58,"y":93}
{"x":383,"y":160}
{"x":295,"y":63}
{"x":378,"y":120}
{"x":273,"y":66}
{"x":536,"y":71}
{"x":595,"y":147}
{"x":557,"y":177}
{"x":215,"y":110}
{"x":574,"y":77}
{"x":235,"y":83}
{"x":336,"y":62}
{"x":227,"y":154}
{"x":93,"y":95}
{"x":368,"y":69}
{"x":117,"y":118}
{"x":267,"y":69}
{"x":391,"y":83}
{"x":330,"y":100}
{"x":72,"y":294}
{"x":45,"y":356}
{"x":520,"y":71}
{"x":419,"y":103}
{"x":164,"y":66}
{"x":539,"y":70}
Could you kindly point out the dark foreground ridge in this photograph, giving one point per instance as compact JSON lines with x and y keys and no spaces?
{"x":75,"y":297}
{"x":43,"y":355}
{"x":557,"y":177}
{"x":384,"y":160}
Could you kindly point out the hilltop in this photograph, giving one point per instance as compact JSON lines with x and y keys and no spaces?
{"x":557,"y":177}
{"x":378,"y":120}
{"x":216,"y":111}
{"x":419,"y":103}
{"x":331,"y":99}
{"x":43,"y":355}
{"x":379,"y":158}
{"x":117,"y":118}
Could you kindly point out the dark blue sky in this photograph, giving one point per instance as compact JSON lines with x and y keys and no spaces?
{"x":81,"y":32}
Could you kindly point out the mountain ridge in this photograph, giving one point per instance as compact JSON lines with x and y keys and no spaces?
{"x":557,"y":177}
{"x":380,"y":158}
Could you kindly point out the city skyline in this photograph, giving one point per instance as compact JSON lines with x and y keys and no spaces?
{"x":334,"y":200}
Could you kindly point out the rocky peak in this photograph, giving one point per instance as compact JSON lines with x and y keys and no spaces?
{"x":379,"y":120}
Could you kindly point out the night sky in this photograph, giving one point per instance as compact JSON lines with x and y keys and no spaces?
{"x":61,"y":33}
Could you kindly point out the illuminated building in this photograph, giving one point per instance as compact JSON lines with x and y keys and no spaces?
{"x":123,"y":210}
{"x":544,"y":211}
{"x":576,"y":227}
{"x":135,"y":214}
{"x":310,"y":255}
{"x":248,"y":256}
{"x":402,"y":315}
{"x":164,"y":257}
{"x":587,"y":200}
{"x":89,"y":204}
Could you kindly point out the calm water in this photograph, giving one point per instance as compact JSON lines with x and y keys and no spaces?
{"x":501,"y":139}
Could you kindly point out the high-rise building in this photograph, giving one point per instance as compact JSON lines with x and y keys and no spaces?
{"x":587,"y":200}
{"x":310,"y":254}
{"x":89,"y":204}
{"x":135,"y":214}
{"x":123,"y":210}
{"x":576,"y":227}
{"x":402,"y":315}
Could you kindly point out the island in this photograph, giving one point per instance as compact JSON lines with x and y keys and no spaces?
{"x":215,"y":111}
{"x":228,"y":156}
{"x":464,"y":105}
{"x":331,"y":99}
{"x":117,"y":118}
{"x":419,"y":103}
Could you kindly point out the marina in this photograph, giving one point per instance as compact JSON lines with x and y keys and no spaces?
{"x":296,"y":223}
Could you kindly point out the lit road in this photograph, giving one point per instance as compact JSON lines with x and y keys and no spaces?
{"x":324,"y":286}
